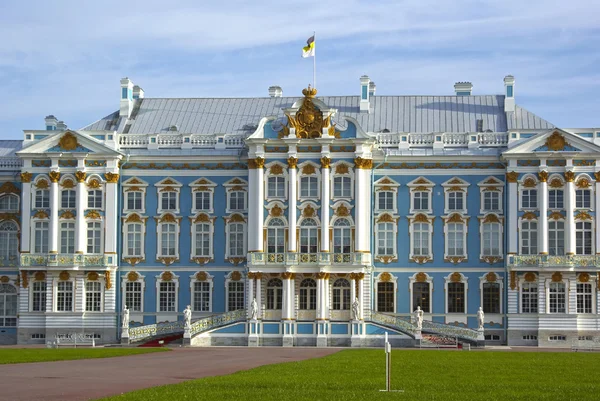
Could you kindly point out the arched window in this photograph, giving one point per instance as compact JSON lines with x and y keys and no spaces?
{"x":8,"y":305}
{"x":274,"y":294}
{"x":308,"y":294}
{"x":276,"y":240}
{"x":342,"y":237}
{"x":9,"y":243}
{"x":67,"y":199}
{"x":385,"y":296}
{"x":309,"y":235}
{"x":9,"y":203}
{"x":341,"y":294}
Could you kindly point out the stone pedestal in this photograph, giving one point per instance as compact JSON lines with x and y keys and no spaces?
{"x":124,"y":336}
{"x":187,"y":336}
{"x":253,"y":332}
{"x":288,"y":333}
{"x":357,"y":332}
{"x":322,"y":333}
{"x":418,"y":335}
{"x":480,"y":335}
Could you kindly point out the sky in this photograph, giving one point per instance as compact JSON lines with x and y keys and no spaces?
{"x":67,"y":57}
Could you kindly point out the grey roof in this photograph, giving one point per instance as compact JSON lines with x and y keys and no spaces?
{"x":524,"y":119}
{"x":8,"y":148}
{"x":393,"y":113}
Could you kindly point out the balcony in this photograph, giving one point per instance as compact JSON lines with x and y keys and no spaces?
{"x":66,"y":260}
{"x":320,"y":258}
{"x":550,"y":261}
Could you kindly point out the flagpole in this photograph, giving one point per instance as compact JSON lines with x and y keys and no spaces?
{"x":315,"y":61}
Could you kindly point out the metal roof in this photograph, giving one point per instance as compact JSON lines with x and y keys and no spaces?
{"x":392,"y":113}
{"x":8,"y":148}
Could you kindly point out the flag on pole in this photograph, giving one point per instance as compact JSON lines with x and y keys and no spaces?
{"x":309,"y":49}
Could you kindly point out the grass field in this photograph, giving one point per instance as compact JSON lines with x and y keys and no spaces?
{"x":25,"y":355}
{"x":423,"y":375}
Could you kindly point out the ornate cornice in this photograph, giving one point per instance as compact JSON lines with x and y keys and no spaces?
{"x":258,"y":162}
{"x":363,"y":164}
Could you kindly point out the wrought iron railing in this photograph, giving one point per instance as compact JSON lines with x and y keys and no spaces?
{"x":553,"y":260}
{"x":420,"y":140}
{"x":394,"y":322}
{"x":199,"y":326}
{"x":62,"y":259}
{"x":294,"y":258}
{"x":447,"y":330}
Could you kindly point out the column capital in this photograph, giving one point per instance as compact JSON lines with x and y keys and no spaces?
{"x":111,"y":178}
{"x":569,"y":176}
{"x":80,"y":176}
{"x":54,"y":176}
{"x":543,"y":176}
{"x":512,"y":176}
{"x":256,"y":163}
{"x":363,"y":164}
{"x":597,"y":177}
{"x":288,"y":276}
{"x":292,"y":162}
{"x":26,"y":177}
{"x":325,"y":162}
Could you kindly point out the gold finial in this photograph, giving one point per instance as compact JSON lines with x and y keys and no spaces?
{"x":309,"y":92}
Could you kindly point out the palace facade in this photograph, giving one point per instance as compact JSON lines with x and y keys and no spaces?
{"x":306,"y":204}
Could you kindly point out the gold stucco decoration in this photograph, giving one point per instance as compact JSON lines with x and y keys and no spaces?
{"x":93,"y":214}
{"x":342,"y":211}
{"x":292,"y":162}
{"x":455,"y":277}
{"x":67,"y":215}
{"x":491,"y":218}
{"x":9,"y":188}
{"x":236,"y":218}
{"x":529,"y":216}
{"x":68,"y":142}
{"x":42,"y":184}
{"x":569,"y":176}
{"x":385,"y":277}
{"x":308,"y":211}
{"x":167,"y":276}
{"x":24,"y":278}
{"x":107,"y":281}
{"x":308,"y":121}
{"x":491,"y":277}
{"x":455,"y":218}
{"x":308,"y":169}
{"x":68,"y":184}
{"x":64,"y":275}
{"x":276,"y":211}
{"x":201,"y":276}
{"x":40,"y":276}
{"x":4,"y":279}
{"x":202,"y":218}
{"x":80,"y":176}
{"x":529,"y":183}
{"x":513,"y":280}
{"x":54,"y":176}
{"x":556,"y":183}
{"x":543,"y":176}
{"x":364,"y":164}
{"x":420,"y":218}
{"x":386,"y":218}
{"x":512,"y":176}
{"x":40,"y":214}
{"x":276,"y":169}
{"x":132,"y":276}
{"x":325,"y":162}
{"x":133,"y":261}
{"x":421,"y":277}
{"x":26,"y":177}
{"x":112,"y":178}
{"x":93,"y":276}
{"x":94,"y":183}
{"x":583,"y":183}
{"x":583,"y":277}
{"x":341,"y":168}
{"x":530,"y":277}
{"x":557,"y":277}
{"x":596,"y":176}
{"x":583,"y":215}
{"x":236,"y":275}
{"x":258,"y":162}
{"x":556,"y":142}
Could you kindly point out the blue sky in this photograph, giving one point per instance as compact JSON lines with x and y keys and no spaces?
{"x":66,"y":57}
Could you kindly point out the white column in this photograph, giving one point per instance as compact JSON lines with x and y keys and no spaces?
{"x":54,"y":205}
{"x":257,"y":278}
{"x":325,"y":196}
{"x":597,"y":175}
{"x":111,"y":214}
{"x":362,"y":199}
{"x":543,"y":205}
{"x":319,"y":297}
{"x":570,"y":242}
{"x":322,"y":296}
{"x":81,"y":199}
{"x":287,"y":312}
{"x":256,"y":204}
{"x":293,"y":185}
{"x":250,"y":293}
{"x":353,"y":294}
{"x":361,"y":290}
{"x":26,"y":212}
{"x":513,"y":197}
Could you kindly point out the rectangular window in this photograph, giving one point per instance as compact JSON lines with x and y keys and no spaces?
{"x":94,"y":237}
{"x":134,"y":239}
{"x":276,"y":187}
{"x":309,"y":187}
{"x":202,"y":240}
{"x":529,"y":198}
{"x":385,"y":200}
{"x":491,"y":201}
{"x":456,"y":239}
{"x":41,"y":237}
{"x":420,"y":239}
{"x":491,"y":297}
{"x":491,"y":239}
{"x":133,"y":295}
{"x":556,"y":199}
{"x":201,"y":301}
{"x":584,"y":298}
{"x":385,"y":239}
{"x":38,"y":301}
{"x":167,"y":297}
{"x":556,"y":237}
{"x":342,"y":187}
{"x":456,"y":201}
{"x":421,"y":297}
{"x":67,"y":237}
{"x":202,"y":200}
{"x":529,"y":298}
{"x":529,"y":238}
{"x":236,"y":240}
{"x":308,"y":295}
{"x":235,"y":296}
{"x":557,"y":297}
{"x":42,"y":199}
{"x":169,"y":200}
{"x":420,"y":200}
{"x":583,"y":238}
{"x":583,"y":199}
{"x":385,"y":297}
{"x":237,"y":200}
{"x":93,"y":296}
{"x":168,"y":240}
{"x":134,"y":200}
{"x":456,"y":298}
{"x":68,"y":199}
{"x":64,"y":296}
{"x":95,"y":199}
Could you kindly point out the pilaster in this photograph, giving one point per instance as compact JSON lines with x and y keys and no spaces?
{"x":543,"y":220}
{"x":110,"y":215}
{"x":597,"y":206}
{"x":25,"y":212}
{"x":54,"y":205}
{"x":513,"y":196}
{"x":362,"y":199}
{"x":81,"y":199}
{"x":256,"y":204}
{"x":570,"y":242}
{"x":292,"y":202}
{"x":325,"y":197}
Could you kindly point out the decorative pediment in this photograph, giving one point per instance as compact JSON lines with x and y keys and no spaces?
{"x":553,"y":141}
{"x":309,"y":121}
{"x":68,"y":142}
{"x":420,"y":182}
{"x":134,"y":181}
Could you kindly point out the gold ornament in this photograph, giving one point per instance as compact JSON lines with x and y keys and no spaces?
{"x":308,"y":169}
{"x":259,"y":162}
{"x":68,"y":142}
{"x":92,"y":276}
{"x":54,"y":176}
{"x":308,"y":211}
{"x":276,"y":169}
{"x":236,"y":275}
{"x":24,"y":278}
{"x":325,"y":162}
{"x":167,"y":276}
{"x":512,"y":176}
{"x":276,"y":211}
{"x":132,"y":276}
{"x":40,"y":276}
{"x":201,"y":276}
{"x":64,"y":275}
{"x":342,"y":211}
{"x":557,"y":277}
{"x":491,"y":277}
{"x":543,"y":176}
{"x":107,"y":282}
{"x":556,"y":142}
{"x":4,"y":279}
{"x":112,"y":178}
{"x":308,"y":121}
{"x":421,"y":277}
{"x":455,"y":277}
{"x":26,"y":177}
{"x":529,"y":277}
{"x":292,"y":162}
{"x":529,"y":183}
{"x":569,"y":176}
{"x":385,"y":277}
{"x":80,"y":176}
{"x":364,"y":164}
{"x":584,"y":277}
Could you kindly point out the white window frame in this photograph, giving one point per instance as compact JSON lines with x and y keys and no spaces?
{"x":333,"y":229}
{"x":499,"y":280}
{"x":165,"y":186}
{"x":202,"y":218}
{"x":592,"y":295}
{"x":456,"y":218}
{"x":140,"y":279}
{"x":242,"y":280}
{"x":161,"y":222}
{"x":413,"y":280}
{"x":522,"y":230}
{"x":465,"y":281}
{"x":536,"y":286}
{"x":455,"y":185}
{"x":556,"y":230}
{"x":67,"y":190}
{"x":523,"y":188}
{"x":93,"y":198}
{"x":565,"y":282}
{"x":236,"y":220}
{"x":236,"y":185}
{"x":303,"y":169}
{"x":487,"y":220}
{"x":8,"y":197}
{"x":379,"y":279}
{"x":55,"y":293}
{"x":87,"y":237}
{"x":269,"y":174}
{"x":203,"y":185}
{"x":100,"y":281}
{"x":34,"y":198}
{"x":412,"y":220}
{"x":134,"y":184}
{"x":421,"y":184}
{"x":10,"y":284}
{"x":592,"y":235}
{"x":336,"y":169}
{"x":16,"y":235}
{"x":491,"y":185}
{"x":134,"y":218}
{"x":386,"y":184}
{"x":210,"y":281}
{"x":33,"y":236}
{"x":60,"y":236}
{"x":175,"y":280}
{"x":44,"y":292}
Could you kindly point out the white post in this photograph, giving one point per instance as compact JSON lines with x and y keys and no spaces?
{"x":543,"y":204}
{"x":570,"y":243}
{"x":257,"y":278}
{"x":256,"y":204}
{"x":80,"y":229}
{"x":110,"y":221}
{"x":54,"y":205}
{"x":362,"y":200}
{"x":292,"y":203}
{"x":25,"y":211}
{"x":250,"y":294}
{"x":597,"y":176}
{"x":513,"y":197}
{"x":325,"y":196}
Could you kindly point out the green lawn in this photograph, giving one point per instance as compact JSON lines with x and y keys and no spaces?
{"x":25,"y":355}
{"x":424,"y":375}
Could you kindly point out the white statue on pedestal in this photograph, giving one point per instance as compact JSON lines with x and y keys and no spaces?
{"x":419,"y":318}
{"x":355,"y":309}
{"x":187,"y":317}
{"x":125,"y":323}
{"x":480,"y":317}
{"x":254,"y":310}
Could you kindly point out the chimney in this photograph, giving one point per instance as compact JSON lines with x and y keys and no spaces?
{"x":61,"y":126}
{"x":126,"y":98}
{"x":275,"y":91}
{"x":364,"y":93}
{"x":463,"y":88}
{"x":509,"y":92}
{"x":138,"y":93}
{"x":372,"y":88}
{"x":50,"y":122}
